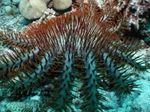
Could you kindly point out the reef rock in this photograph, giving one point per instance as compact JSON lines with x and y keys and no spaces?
{"x":62,"y":4}
{"x":32,"y":9}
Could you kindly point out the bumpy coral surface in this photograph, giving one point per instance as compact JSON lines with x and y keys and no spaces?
{"x":76,"y":55}
{"x":32,"y":9}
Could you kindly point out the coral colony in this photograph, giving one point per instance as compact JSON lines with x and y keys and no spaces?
{"x":76,"y":55}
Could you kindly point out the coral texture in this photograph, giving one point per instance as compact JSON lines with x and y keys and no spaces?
{"x":62,"y":4}
{"x":76,"y":55}
{"x":32,"y":9}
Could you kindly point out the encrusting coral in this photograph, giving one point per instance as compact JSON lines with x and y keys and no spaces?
{"x":139,"y":19}
{"x":32,"y":9}
{"x":78,"y":53}
{"x":62,"y":4}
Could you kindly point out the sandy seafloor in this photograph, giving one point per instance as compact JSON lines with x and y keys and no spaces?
{"x":137,"y":102}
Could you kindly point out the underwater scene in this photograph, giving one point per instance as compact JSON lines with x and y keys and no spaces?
{"x":74,"y":55}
